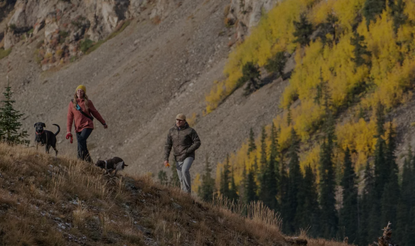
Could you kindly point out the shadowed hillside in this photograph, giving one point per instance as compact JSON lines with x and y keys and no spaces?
{"x":48,"y":201}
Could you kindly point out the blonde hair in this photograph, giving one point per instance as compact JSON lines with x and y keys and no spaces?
{"x":85,"y":103}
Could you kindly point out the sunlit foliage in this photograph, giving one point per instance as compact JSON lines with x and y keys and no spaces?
{"x":385,"y":74}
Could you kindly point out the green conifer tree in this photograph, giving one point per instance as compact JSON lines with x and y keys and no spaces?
{"x":391,"y":193}
{"x":373,"y":8}
{"x":390,"y":200}
{"x":329,"y":216}
{"x":295,"y":181}
{"x":255,"y":169}
{"x":250,"y":75}
{"x":404,"y":206}
{"x":365,"y":205}
{"x":410,"y":237}
{"x":327,"y":199}
{"x":329,"y":27}
{"x":329,"y":123}
{"x":224,"y":181}
{"x":303,"y":30}
{"x":329,"y":220}
{"x":251,"y":143}
{"x":251,"y":188}
{"x":411,"y":198}
{"x":399,"y":16}
{"x":284,"y":202}
{"x":243,"y":191}
{"x":381,"y":165}
{"x":289,"y":118}
{"x":349,"y":212}
{"x":207,"y":188}
{"x":273,"y":169}
{"x":390,"y":157}
{"x":276,"y":64}
{"x":319,"y":89}
{"x":263,"y":158}
{"x":308,"y":214}
{"x":273,"y":149}
{"x":243,"y":184}
{"x":263,"y":176}
{"x":233,"y":191}
{"x":360,"y":50}
{"x":10,"y":126}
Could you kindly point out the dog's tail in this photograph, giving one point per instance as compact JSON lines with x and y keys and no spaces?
{"x":59,"y":129}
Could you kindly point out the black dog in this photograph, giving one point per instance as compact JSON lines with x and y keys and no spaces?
{"x":45,"y":137}
{"x":110,"y":165}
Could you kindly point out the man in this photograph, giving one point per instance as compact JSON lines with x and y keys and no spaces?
{"x":185,"y":142}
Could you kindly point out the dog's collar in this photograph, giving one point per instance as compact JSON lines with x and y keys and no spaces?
{"x":37,"y":133}
{"x":106,"y":165}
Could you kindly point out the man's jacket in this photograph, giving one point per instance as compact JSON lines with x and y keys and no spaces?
{"x":184,"y":142}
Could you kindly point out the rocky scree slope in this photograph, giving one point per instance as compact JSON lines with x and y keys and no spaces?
{"x":163,"y":63}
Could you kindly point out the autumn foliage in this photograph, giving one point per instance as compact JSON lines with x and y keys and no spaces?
{"x":361,"y":63}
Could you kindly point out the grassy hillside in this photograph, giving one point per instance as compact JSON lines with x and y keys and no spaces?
{"x":384,"y":72}
{"x":48,"y":201}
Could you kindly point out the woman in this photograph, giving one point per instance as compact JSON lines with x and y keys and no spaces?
{"x":80,"y":110}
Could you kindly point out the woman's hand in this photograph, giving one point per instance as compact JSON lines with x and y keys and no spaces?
{"x":105,"y":126}
{"x":69,"y":135}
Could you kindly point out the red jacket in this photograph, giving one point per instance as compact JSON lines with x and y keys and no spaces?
{"x":81,"y":121}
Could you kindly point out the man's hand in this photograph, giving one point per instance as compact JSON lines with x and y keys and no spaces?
{"x":69,"y":135}
{"x":105,"y":126}
{"x":166,"y":164}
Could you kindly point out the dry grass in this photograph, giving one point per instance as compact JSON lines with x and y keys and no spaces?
{"x":156,"y":20}
{"x":61,"y":201}
{"x":192,"y":120}
{"x":4,"y":53}
{"x":226,"y":10}
{"x":324,"y":242}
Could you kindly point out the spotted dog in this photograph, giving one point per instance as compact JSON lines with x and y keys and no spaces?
{"x":110,"y":165}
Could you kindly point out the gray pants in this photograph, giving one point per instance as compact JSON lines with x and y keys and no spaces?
{"x":183,"y":172}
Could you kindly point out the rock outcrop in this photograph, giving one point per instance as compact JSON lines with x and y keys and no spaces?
{"x":164,"y":7}
{"x":71,"y":27}
{"x":247,"y":13}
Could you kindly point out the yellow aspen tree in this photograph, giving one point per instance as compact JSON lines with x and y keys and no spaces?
{"x":347,"y":11}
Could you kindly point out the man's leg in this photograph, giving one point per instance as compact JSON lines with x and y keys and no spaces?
{"x":179,"y":165}
{"x":184,"y":174}
{"x":83,"y":153}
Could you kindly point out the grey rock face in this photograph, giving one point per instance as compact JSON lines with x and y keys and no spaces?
{"x":247,"y":13}
{"x":164,"y":7}
{"x":103,"y":16}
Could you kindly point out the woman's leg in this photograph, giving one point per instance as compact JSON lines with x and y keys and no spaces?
{"x":82,"y":136}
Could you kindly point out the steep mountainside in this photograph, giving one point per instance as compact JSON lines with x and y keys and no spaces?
{"x":163,"y":63}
